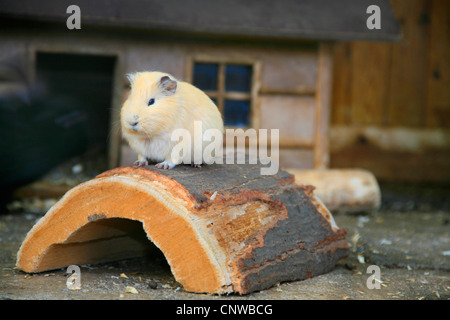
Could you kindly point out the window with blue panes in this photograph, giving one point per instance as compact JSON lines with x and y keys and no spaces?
{"x":229,"y":85}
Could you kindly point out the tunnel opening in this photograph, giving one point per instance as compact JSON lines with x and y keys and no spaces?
{"x":115,"y":241}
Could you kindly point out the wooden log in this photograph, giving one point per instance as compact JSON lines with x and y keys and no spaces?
{"x":222,"y":228}
{"x":348,"y":190}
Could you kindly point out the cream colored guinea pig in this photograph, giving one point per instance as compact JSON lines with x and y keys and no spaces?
{"x":159,"y":104}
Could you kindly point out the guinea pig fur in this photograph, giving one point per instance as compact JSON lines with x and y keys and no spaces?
{"x":157,"y":105}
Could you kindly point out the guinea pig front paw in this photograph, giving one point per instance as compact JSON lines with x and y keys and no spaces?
{"x":165,"y":165}
{"x":140,"y":163}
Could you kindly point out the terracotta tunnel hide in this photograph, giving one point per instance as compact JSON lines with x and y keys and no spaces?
{"x":221,"y":228}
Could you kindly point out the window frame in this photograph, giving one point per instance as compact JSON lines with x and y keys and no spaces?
{"x":220,"y":95}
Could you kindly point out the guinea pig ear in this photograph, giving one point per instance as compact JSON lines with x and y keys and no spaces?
{"x":168,"y":85}
{"x":131,"y":77}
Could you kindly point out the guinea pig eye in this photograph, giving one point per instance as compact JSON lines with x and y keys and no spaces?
{"x":151,"y":101}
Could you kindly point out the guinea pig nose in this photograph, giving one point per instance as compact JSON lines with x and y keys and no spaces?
{"x":134,"y":121}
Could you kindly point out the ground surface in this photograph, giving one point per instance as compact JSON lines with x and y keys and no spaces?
{"x":409,"y":241}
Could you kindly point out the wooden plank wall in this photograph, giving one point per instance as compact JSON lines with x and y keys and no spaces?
{"x":397,"y":84}
{"x":393,"y":88}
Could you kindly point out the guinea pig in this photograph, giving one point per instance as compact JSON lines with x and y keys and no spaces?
{"x":157,"y":105}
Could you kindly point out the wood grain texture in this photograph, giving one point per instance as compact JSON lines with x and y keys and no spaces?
{"x":370,"y":64}
{"x":407,"y":80}
{"x":341,"y":104}
{"x":323,"y":101}
{"x":222,"y":228}
{"x":397,"y":84}
{"x":401,"y":86}
{"x":438,"y":73}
